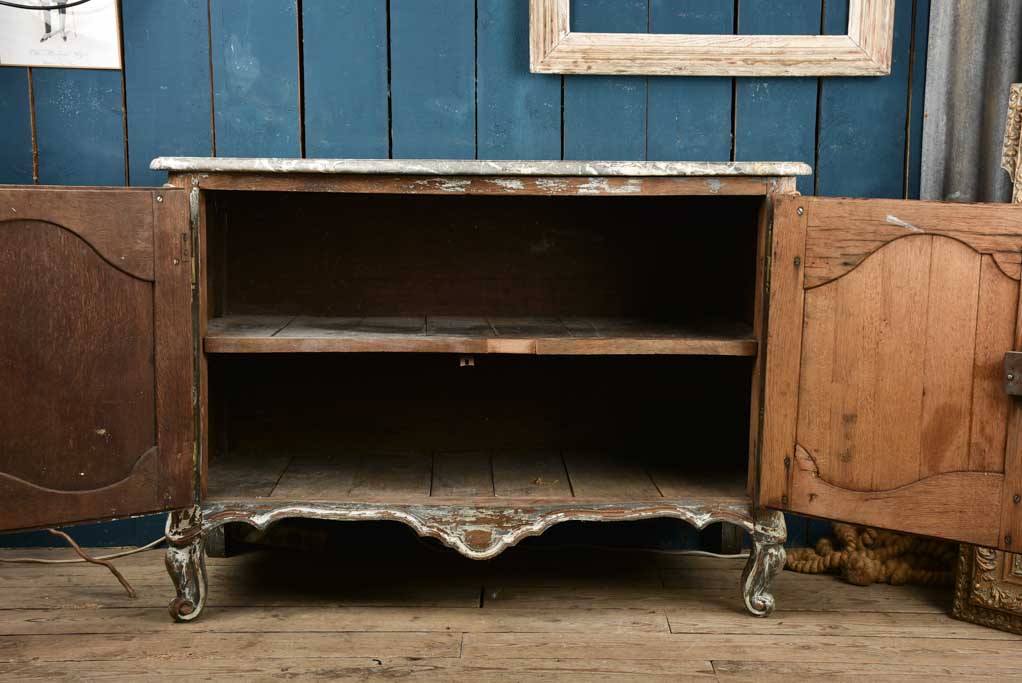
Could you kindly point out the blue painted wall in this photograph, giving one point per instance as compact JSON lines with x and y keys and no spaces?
{"x":449,"y":78}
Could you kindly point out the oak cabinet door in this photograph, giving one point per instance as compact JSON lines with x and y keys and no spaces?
{"x":96,"y":354}
{"x":884,"y":404}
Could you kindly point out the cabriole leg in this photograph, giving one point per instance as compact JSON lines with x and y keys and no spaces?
{"x":186,"y":563}
{"x":765,"y":562}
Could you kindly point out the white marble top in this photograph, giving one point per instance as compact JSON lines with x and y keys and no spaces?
{"x":487,"y":168}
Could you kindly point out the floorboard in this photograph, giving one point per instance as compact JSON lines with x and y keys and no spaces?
{"x":537,"y":613}
{"x":351,"y":474}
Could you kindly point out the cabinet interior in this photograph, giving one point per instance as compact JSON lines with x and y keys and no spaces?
{"x":409,"y":426}
{"x":553,"y":348}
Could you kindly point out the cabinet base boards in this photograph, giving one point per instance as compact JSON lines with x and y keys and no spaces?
{"x":476,"y":531}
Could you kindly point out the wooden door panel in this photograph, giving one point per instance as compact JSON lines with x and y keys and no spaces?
{"x":886,"y":406}
{"x":72,"y":324}
{"x":96,"y":322}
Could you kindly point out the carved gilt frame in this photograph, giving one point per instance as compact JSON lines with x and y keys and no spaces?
{"x":865,"y":50}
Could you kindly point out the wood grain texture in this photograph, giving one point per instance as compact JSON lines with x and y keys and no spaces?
{"x":16,"y":119}
{"x":844,"y":232}
{"x":78,"y":377}
{"x":117,"y":224}
{"x":758,"y":315}
{"x":433,"y":98}
{"x":958,"y":506}
{"x":995,"y":331}
{"x":113,"y":346}
{"x":169,"y":99}
{"x":276,"y":334}
{"x":950,"y":361}
{"x":91,"y":152}
{"x":466,"y":185}
{"x":176,"y":351}
{"x":345,"y":84}
{"x":24,"y":505}
{"x":462,"y":474}
{"x":486,"y":478}
{"x":519,"y":114}
{"x":783,"y":349}
{"x":689,"y":118}
{"x":578,"y":599}
{"x":899,"y":400}
{"x":561,"y":46}
{"x":1011,"y":499}
{"x":605,"y":116}
{"x":255,"y":78}
{"x":888,"y":366}
{"x":600,"y":475}
{"x":530,"y":474}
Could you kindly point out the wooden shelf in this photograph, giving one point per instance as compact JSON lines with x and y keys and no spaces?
{"x":476,"y":476}
{"x":428,"y":334}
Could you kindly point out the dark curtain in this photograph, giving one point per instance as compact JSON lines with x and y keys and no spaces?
{"x":974,"y":55}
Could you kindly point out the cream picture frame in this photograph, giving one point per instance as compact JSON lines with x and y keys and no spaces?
{"x":865,"y":50}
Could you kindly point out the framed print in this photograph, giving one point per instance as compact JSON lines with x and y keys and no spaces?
{"x":61,"y":33}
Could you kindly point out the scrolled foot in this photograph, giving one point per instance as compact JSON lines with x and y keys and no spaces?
{"x":765,"y":562}
{"x":186,"y":564}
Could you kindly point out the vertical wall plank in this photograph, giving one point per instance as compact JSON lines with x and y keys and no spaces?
{"x":79,"y":126}
{"x":862,"y":120}
{"x":921,"y":30}
{"x":255,"y":77}
{"x":690,"y":118}
{"x":519,"y":112}
{"x":776,"y":117}
{"x":16,"y":123}
{"x":605,"y":116}
{"x":345,"y":72}
{"x":432,"y":53}
{"x":168,"y":100}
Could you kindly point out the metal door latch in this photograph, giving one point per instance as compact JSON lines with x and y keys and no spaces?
{"x":1013,"y":373}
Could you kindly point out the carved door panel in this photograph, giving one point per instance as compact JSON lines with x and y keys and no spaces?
{"x":884,"y":399}
{"x":96,"y":369}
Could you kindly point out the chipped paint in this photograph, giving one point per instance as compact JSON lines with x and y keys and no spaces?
{"x":714,"y":185}
{"x":502,"y":526}
{"x":894,"y":220}
{"x":452,"y":185}
{"x":480,"y":167}
{"x":476,"y":531}
{"x":508,"y":184}
{"x":605,"y":186}
{"x":554,"y":185}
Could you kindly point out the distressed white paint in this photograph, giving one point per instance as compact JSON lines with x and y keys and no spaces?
{"x":479,"y":168}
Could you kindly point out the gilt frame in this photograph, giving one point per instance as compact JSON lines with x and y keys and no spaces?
{"x":865,"y":50}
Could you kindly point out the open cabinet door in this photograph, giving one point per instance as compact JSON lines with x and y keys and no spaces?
{"x":96,"y":369}
{"x":884,"y":399}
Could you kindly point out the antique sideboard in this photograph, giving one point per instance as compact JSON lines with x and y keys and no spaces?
{"x":481,"y":350}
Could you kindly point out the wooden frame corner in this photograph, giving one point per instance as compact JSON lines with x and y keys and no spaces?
{"x":865,"y":50}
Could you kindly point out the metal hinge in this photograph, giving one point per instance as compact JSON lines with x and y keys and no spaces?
{"x":1013,"y":373}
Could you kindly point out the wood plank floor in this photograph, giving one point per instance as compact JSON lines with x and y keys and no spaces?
{"x":533,"y":614}
{"x":418,"y":476}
